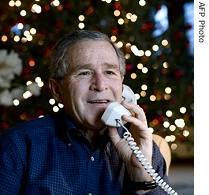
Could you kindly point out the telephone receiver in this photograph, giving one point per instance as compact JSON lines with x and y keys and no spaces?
{"x":115,"y":110}
{"x":112,"y":116}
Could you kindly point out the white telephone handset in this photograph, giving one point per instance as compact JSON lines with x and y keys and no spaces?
{"x":115,"y":110}
{"x":112,"y":117}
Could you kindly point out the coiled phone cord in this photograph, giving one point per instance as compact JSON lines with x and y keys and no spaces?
{"x":147,"y":166}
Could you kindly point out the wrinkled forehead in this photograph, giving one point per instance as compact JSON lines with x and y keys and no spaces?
{"x":91,"y":52}
{"x":88,"y":45}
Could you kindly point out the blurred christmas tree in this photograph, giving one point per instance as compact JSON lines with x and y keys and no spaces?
{"x":152,"y":34}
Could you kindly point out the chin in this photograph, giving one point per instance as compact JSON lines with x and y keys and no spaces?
{"x":98,"y":124}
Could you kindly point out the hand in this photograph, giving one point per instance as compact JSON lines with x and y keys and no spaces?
{"x":142,"y":136}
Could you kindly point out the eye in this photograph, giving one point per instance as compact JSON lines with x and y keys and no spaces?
{"x":110,"y":72}
{"x":85,"y":73}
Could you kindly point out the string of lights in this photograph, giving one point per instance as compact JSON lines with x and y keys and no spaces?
{"x":175,"y":121}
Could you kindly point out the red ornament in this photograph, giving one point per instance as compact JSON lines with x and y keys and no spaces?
{"x":31,"y":62}
{"x":24,"y":116}
{"x":4,"y":125}
{"x":160,"y":119}
{"x":6,"y":29}
{"x":20,"y":20}
{"x":173,"y":101}
{"x":181,"y":138}
{"x":146,"y":27}
{"x":178,"y":35}
{"x":178,"y":73}
{"x":26,"y":71}
{"x":117,"y":6}
{"x":155,"y":122}
{"x":46,"y":8}
{"x":48,"y":51}
{"x":68,"y":6}
{"x":144,"y":107}
{"x":190,"y":90}
{"x":164,"y":71}
{"x":89,"y":11}
{"x":60,"y":8}
{"x":114,"y":31}
{"x":129,"y":67}
{"x":59,"y":25}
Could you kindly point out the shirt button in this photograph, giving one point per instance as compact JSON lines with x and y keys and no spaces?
{"x":90,"y":193}
{"x":92,"y":159}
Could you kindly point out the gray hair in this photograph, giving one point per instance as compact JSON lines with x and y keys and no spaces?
{"x":59,"y":61}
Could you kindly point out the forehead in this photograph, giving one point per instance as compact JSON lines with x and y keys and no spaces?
{"x":92,"y":51}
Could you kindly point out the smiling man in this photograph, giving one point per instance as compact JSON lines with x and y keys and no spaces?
{"x":73,"y":152}
{"x":92,"y":80}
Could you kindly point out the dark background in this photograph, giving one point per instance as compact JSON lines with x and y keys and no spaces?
{"x":162,"y":78}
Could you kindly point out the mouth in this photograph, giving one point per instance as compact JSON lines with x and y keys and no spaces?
{"x":99,"y":101}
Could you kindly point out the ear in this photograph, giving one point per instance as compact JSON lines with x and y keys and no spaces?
{"x":122,"y":78}
{"x":55,"y":89}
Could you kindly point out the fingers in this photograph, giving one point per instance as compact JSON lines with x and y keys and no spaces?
{"x":137,"y":110}
{"x":136,"y":122}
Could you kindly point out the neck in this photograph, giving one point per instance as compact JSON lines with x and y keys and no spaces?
{"x":94,"y":137}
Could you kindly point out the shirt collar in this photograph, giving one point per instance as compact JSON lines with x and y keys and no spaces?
{"x":69,"y":130}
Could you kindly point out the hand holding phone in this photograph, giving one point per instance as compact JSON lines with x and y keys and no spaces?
{"x":113,"y":117}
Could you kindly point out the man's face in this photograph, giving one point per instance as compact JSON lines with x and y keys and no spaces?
{"x":91,"y":83}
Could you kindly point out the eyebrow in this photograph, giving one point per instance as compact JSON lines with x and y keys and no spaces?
{"x":88,"y":66}
{"x":114,"y":66}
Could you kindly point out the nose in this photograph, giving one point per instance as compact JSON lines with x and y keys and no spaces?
{"x":99,"y":82}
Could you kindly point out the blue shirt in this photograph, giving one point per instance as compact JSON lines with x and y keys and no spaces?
{"x":49,"y":155}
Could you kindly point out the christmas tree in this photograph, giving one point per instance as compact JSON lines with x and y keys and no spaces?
{"x":159,"y":65}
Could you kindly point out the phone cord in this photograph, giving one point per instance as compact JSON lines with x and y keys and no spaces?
{"x":147,"y":166}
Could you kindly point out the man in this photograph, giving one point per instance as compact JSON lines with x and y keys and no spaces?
{"x":73,"y":152}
